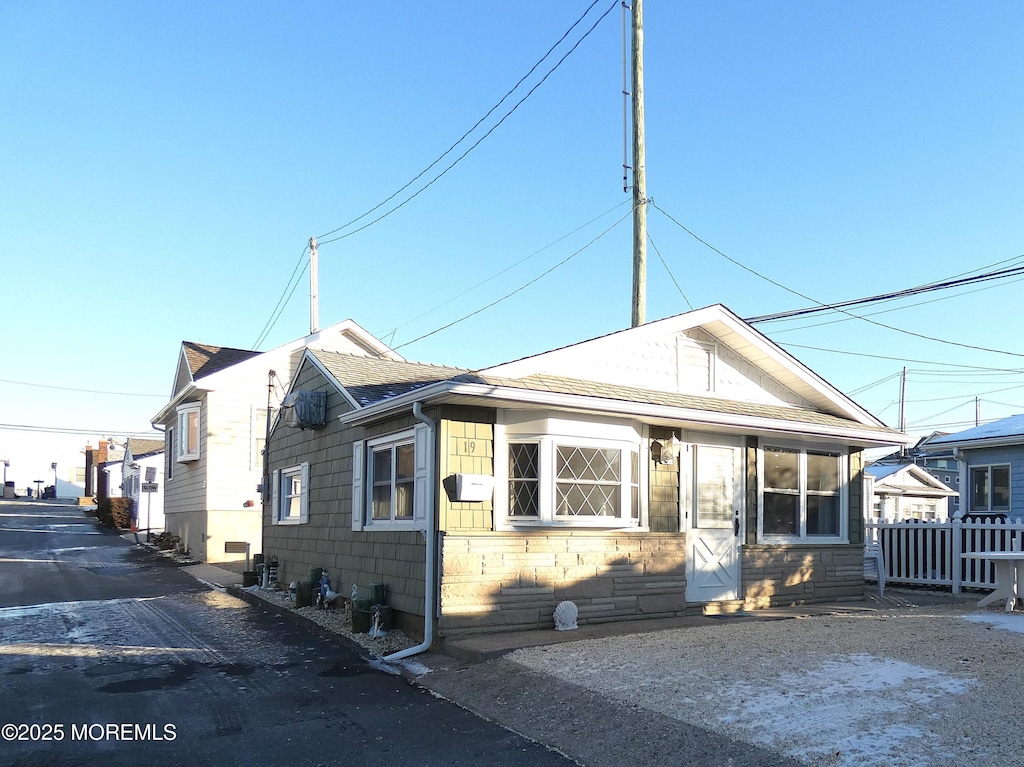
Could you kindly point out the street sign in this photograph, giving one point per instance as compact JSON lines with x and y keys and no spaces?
{"x":151,"y":473}
{"x":150,"y":487}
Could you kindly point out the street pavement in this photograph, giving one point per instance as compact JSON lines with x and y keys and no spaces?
{"x":111,"y":655}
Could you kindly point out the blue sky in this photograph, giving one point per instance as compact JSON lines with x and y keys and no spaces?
{"x":162,"y":166}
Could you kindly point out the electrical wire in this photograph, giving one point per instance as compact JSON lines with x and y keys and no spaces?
{"x":672,"y":276}
{"x":822,"y":306}
{"x":475,"y":144}
{"x":69,"y":430}
{"x":82,"y":391}
{"x":519,"y":289}
{"x":508,"y":268}
{"x":279,"y":308}
{"x":476,"y":125}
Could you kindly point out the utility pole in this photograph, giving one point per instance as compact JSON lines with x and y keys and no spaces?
{"x":639,"y":306}
{"x":977,"y":411}
{"x":903,"y":409}
{"x":314,"y":288}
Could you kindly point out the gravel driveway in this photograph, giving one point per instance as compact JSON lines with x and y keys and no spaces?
{"x":934,"y":685}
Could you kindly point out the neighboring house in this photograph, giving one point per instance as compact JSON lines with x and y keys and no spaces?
{"x":686,"y":462}
{"x":940,"y":462}
{"x":906,"y":491}
{"x":991,"y":459}
{"x":96,"y":480}
{"x":142,"y":481}
{"x":215,"y":427}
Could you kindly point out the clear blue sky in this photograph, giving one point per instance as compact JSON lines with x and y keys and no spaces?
{"x":162,"y":166}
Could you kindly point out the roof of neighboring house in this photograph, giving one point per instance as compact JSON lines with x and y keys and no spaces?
{"x":141,"y":447}
{"x":1006,"y":431}
{"x":369,"y":380}
{"x":204,"y":360}
{"x":915,"y":480}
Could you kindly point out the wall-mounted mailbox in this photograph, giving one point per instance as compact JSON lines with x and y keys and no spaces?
{"x":474,"y":487}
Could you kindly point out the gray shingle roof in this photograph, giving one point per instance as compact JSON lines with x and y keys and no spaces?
{"x":370,"y":379}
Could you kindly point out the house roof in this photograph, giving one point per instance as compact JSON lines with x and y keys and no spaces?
{"x":141,"y":447}
{"x":1006,"y":431}
{"x":907,"y":479}
{"x":370,"y":380}
{"x":204,"y":360}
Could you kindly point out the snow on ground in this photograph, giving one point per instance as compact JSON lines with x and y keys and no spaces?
{"x":921,"y":687}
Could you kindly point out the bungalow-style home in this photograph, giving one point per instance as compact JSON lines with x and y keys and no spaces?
{"x":684,"y":463}
{"x":937,"y":461}
{"x":142,"y":481}
{"x":907,"y":491}
{"x":991,"y":460}
{"x":215,"y":427}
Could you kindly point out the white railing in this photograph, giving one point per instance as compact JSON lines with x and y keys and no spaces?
{"x":929,"y":552}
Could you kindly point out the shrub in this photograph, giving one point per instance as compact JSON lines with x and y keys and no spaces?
{"x":115,"y":512}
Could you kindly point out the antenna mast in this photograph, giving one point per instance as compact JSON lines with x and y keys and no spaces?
{"x":314,"y":288}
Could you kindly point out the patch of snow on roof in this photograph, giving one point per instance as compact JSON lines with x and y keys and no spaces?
{"x":1013,"y":426}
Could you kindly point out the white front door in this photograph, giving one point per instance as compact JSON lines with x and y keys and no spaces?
{"x":713,"y":502}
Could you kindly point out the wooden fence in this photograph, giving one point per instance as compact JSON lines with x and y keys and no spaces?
{"x":931,"y":552}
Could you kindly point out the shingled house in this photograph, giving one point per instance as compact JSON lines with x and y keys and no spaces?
{"x":646,"y":473}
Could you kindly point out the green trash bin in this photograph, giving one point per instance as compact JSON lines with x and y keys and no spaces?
{"x":303,"y":594}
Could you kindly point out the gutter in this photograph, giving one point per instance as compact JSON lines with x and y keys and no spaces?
{"x":430,"y":564}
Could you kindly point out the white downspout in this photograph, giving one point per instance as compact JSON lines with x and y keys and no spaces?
{"x":431,"y":557}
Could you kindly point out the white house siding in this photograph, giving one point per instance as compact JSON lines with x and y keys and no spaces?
{"x":149,"y":506}
{"x":185,"y":491}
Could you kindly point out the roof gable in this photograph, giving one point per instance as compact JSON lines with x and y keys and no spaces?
{"x":709,"y":353}
{"x":907,"y":478}
{"x":369,"y":380}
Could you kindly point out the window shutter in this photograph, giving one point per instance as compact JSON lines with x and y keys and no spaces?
{"x":357,"y":485}
{"x":422,"y":498}
{"x":304,"y":502}
{"x":275,"y":489}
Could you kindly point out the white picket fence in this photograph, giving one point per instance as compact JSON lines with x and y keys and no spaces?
{"x":931,"y":552}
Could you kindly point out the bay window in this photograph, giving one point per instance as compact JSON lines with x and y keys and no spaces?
{"x":188,"y":432}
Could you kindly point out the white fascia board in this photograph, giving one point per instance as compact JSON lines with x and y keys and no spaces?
{"x":662,"y":413}
{"x":185,"y":395}
{"x":1012,"y":440}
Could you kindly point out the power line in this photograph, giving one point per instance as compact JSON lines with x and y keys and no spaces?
{"x":886,"y":357}
{"x":520,"y":288}
{"x":82,"y":391}
{"x":506,"y":269}
{"x":476,"y":125}
{"x":68,"y":430}
{"x":672,"y":276}
{"x":475,"y":144}
{"x":822,"y":306}
{"x":282,"y":302}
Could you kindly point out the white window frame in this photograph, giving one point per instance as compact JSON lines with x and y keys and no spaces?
{"x":282,"y":497}
{"x":185,"y":451}
{"x":362,"y":480}
{"x":801,"y":537}
{"x":588,"y":436}
{"x":989,"y":469}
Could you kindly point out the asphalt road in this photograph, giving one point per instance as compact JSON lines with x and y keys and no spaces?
{"x":110,"y":655}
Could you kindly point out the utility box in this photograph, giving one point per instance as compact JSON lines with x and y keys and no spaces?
{"x":305,"y":409}
{"x":474,"y":487}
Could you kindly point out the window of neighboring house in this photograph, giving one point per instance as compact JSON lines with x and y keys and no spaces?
{"x":990,"y":488}
{"x":169,"y":451}
{"x":560,"y":480}
{"x":801,"y":495}
{"x":188,"y":432}
{"x":259,"y":437}
{"x":291,"y":495}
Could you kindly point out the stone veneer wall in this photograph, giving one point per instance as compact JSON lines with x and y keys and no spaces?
{"x":790,"y":575}
{"x":514,"y":581}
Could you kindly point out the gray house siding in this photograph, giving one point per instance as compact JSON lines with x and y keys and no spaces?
{"x":996,"y":456}
{"x":327,"y":539}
